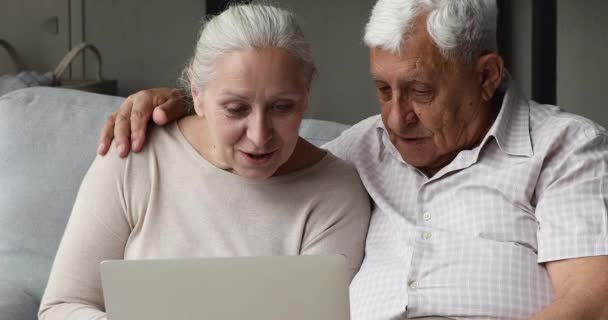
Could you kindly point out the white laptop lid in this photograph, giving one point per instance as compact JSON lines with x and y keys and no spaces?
{"x":254,"y":288}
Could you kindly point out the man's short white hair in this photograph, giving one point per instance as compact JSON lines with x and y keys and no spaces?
{"x":461,"y":29}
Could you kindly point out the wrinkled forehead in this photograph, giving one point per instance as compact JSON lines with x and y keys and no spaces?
{"x":248,"y":74}
{"x":416,"y":59}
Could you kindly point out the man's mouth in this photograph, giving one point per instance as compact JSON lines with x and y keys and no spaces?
{"x":411,"y":140}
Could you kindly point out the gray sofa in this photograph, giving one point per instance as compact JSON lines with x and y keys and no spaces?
{"x":48,"y":138}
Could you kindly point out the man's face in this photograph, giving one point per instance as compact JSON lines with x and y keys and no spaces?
{"x":431,"y":107}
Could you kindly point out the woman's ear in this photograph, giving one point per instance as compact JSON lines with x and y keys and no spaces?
{"x":490,"y":67}
{"x":196,"y":100}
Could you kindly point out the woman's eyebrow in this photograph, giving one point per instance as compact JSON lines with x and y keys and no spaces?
{"x":292,"y":95}
{"x":241,"y":94}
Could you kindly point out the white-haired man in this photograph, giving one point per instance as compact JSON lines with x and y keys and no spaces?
{"x":486,"y":205}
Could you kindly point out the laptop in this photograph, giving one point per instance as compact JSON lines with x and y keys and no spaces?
{"x":253,"y":288}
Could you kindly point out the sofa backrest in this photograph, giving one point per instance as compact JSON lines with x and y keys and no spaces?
{"x":48,"y":138}
{"x":47,"y":141}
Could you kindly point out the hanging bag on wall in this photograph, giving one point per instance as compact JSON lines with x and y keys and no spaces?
{"x":27,"y":78}
{"x":22,"y":78}
{"x":98,"y":85}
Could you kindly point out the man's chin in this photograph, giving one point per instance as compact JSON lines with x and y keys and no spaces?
{"x":412,"y":158}
{"x":426,"y":165}
{"x":418,"y":163}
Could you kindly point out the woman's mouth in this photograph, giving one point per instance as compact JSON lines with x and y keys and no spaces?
{"x":258,"y":158}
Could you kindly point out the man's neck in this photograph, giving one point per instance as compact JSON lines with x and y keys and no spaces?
{"x":486,"y":120}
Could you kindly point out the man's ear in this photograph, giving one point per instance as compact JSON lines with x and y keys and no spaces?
{"x":490,"y":68}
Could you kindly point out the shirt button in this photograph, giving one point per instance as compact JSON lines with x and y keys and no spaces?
{"x":426,"y":216}
{"x":414,"y":284}
{"x":427,"y":235}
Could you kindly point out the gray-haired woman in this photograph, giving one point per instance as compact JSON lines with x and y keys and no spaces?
{"x":233,"y":180}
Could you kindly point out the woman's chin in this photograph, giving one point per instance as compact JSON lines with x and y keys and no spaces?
{"x":255,"y":174}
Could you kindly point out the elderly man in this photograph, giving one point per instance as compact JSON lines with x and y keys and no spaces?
{"x":487,"y":205}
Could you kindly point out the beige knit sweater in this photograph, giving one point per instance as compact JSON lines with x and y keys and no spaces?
{"x":167,"y":201}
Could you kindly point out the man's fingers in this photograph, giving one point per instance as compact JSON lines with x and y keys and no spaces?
{"x":139,"y":123}
{"x":122,"y":128}
{"x":173,"y":109}
{"x":107,"y":134}
{"x":128,"y":125}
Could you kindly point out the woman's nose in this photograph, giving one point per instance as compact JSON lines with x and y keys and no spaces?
{"x":260,"y":130}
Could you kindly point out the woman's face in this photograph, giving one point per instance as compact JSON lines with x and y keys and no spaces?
{"x":251,"y":111}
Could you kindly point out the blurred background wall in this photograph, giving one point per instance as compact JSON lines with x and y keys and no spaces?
{"x":145,"y":43}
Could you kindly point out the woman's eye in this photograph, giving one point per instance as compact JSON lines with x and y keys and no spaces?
{"x":284,"y":107}
{"x":236,"y":110}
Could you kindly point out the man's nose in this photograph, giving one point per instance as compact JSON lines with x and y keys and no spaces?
{"x":260,"y":129}
{"x":401,"y":112}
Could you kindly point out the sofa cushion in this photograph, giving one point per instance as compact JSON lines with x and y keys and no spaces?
{"x":48,"y":138}
{"x":318,"y":132}
{"x":16,"y":304}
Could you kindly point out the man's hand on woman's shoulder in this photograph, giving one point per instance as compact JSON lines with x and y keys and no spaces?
{"x":129,"y":122}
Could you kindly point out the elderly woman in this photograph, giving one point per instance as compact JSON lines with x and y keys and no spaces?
{"x":233,"y":180}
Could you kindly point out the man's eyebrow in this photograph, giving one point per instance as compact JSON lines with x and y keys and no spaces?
{"x":413,"y":78}
{"x":376,"y":77}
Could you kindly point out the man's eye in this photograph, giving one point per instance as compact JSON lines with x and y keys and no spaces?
{"x":421,"y":92}
{"x":385,"y":93}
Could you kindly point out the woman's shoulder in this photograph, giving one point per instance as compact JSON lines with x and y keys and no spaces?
{"x":161,"y":138}
{"x":155,"y":136}
{"x":328,"y":172}
{"x":337,"y":171}
{"x":161,"y":145}
{"x":337,"y":193}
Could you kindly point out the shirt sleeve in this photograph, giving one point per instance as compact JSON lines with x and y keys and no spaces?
{"x":97,"y":230}
{"x":572,"y":209}
{"x":339,"y":221}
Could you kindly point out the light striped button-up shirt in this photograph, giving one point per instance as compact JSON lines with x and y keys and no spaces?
{"x":469,"y":242}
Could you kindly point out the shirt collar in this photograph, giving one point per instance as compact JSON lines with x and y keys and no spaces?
{"x":511,"y":129}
